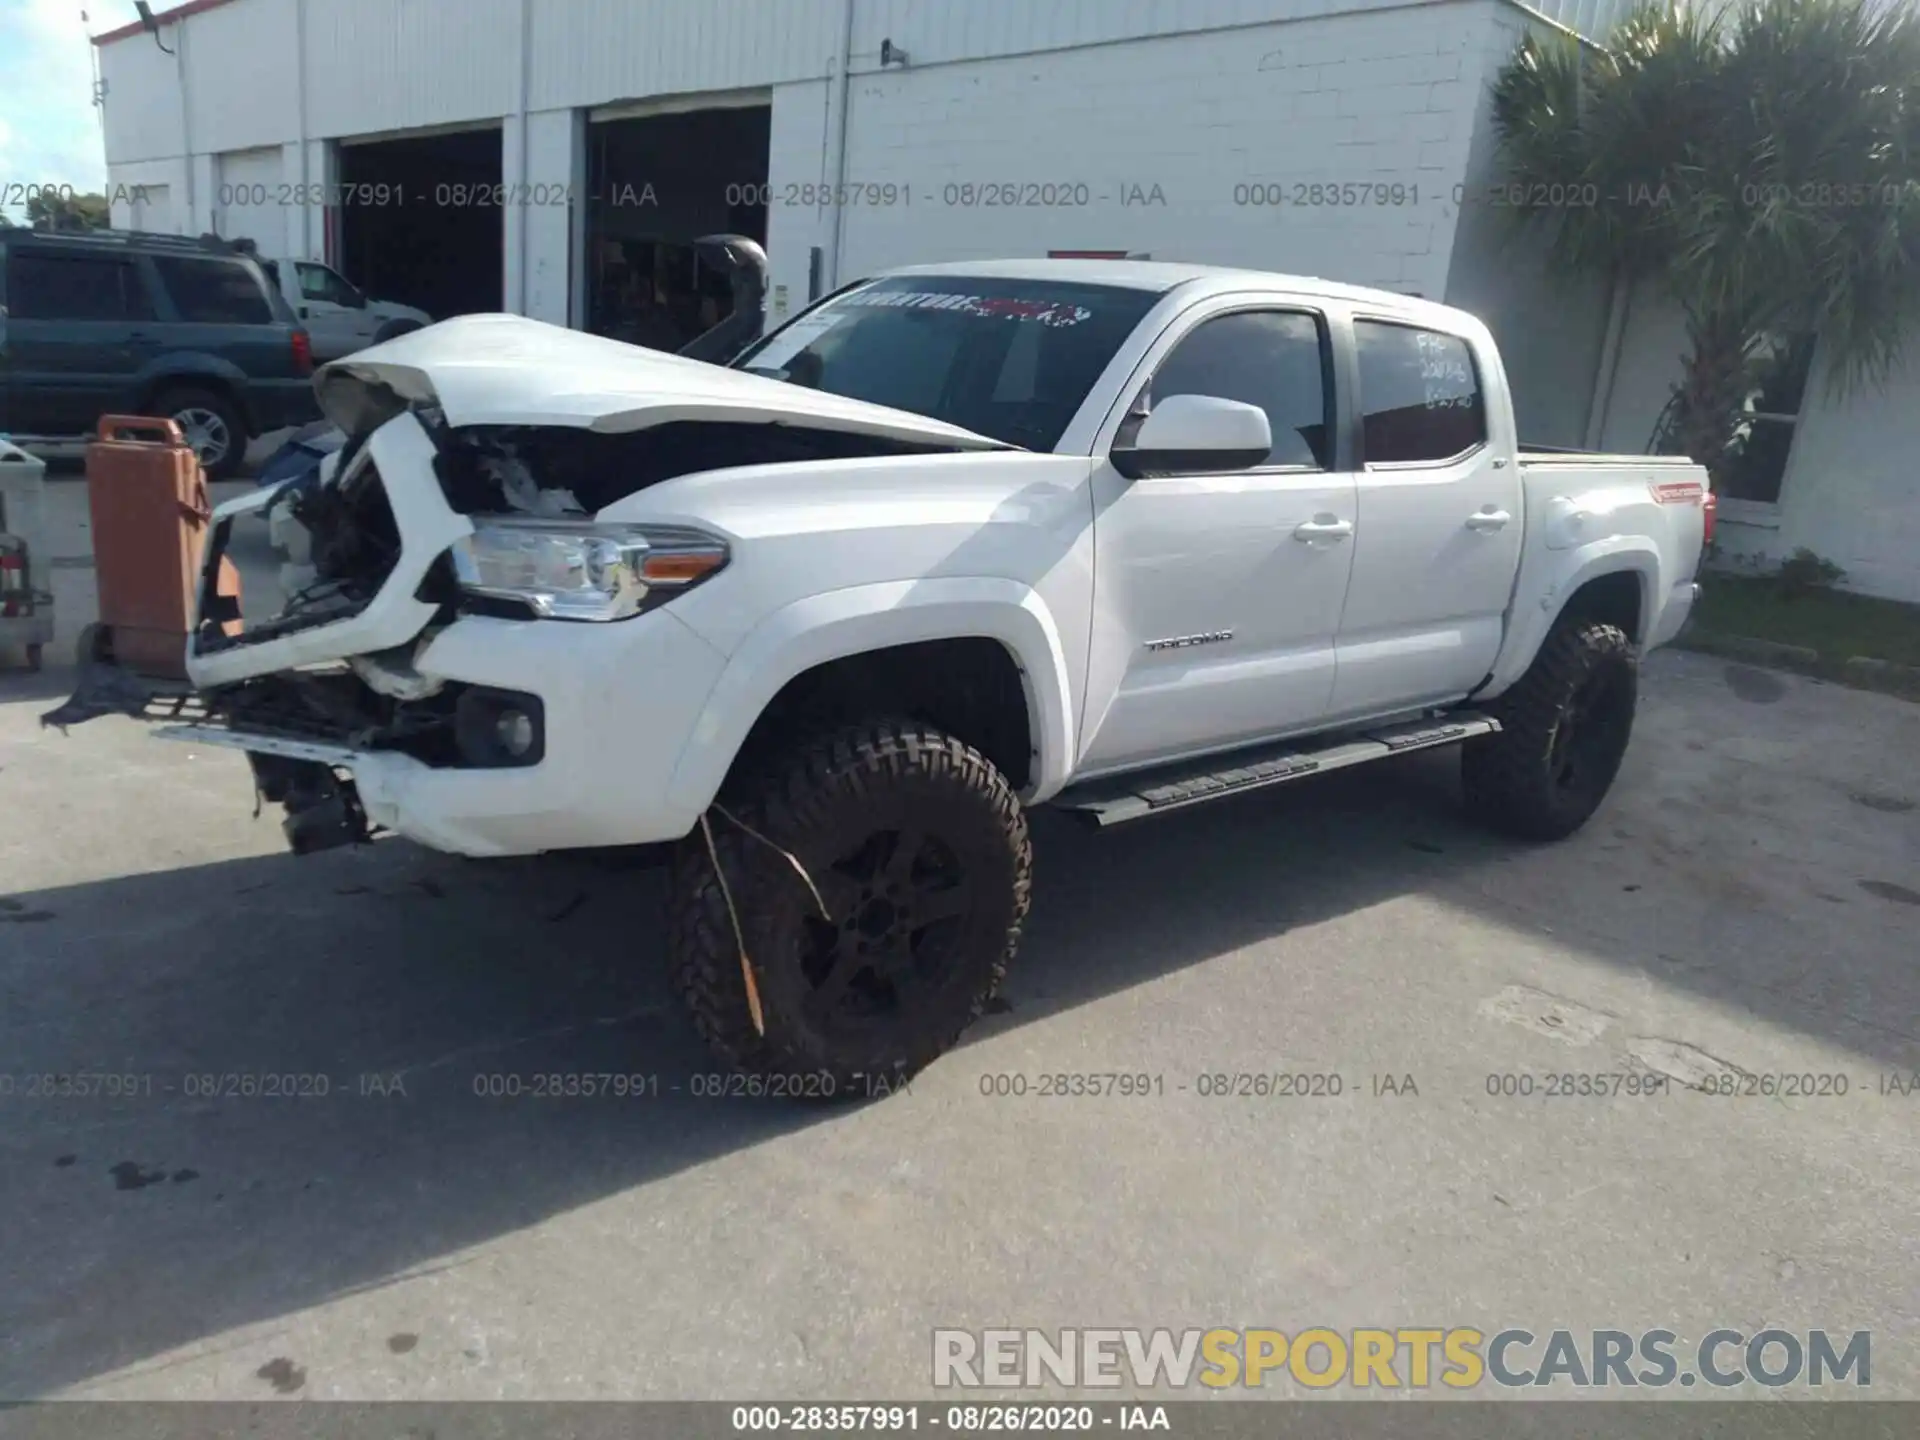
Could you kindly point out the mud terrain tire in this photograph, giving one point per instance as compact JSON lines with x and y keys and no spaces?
{"x":919,"y":849}
{"x":1564,"y":730}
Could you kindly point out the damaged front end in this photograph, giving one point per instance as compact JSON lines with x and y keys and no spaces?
{"x":479,"y":455}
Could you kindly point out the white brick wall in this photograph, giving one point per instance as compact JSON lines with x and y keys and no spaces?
{"x":1372,"y":98}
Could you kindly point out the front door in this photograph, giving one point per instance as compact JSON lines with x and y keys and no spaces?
{"x":1217,"y":596}
{"x":74,"y":337}
{"x":334,"y":312}
{"x":1439,"y":517}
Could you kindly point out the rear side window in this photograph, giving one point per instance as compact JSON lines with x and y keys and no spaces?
{"x":1419,"y":393}
{"x":45,"y":286}
{"x":214,"y":292}
{"x":1270,"y":358}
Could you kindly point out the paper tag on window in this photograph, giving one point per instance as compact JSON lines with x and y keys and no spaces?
{"x":792,"y":340}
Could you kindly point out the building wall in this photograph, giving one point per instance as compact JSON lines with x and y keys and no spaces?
{"x":1159,"y":109}
{"x":248,"y":105}
{"x":142,"y":108}
{"x":248,"y":201}
{"x":1852,"y":488}
{"x":379,"y":65}
{"x":1550,"y":329}
{"x":1851,"y":491}
{"x":593,"y":52}
{"x":1148,"y":146}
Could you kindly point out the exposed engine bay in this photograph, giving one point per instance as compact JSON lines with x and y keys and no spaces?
{"x":340,"y":537}
{"x":463,"y":472}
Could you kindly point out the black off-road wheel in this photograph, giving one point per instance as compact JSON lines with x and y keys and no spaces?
{"x":919,"y":850}
{"x":1564,"y":730}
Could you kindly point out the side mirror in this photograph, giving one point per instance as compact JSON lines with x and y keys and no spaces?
{"x":1203,"y":433}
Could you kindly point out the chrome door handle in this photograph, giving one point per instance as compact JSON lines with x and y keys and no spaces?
{"x":1488,"y":520}
{"x":1320,"y":528}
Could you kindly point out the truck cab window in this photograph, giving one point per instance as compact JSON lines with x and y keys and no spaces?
{"x":1419,"y":393}
{"x":1275,"y":359}
{"x":317,"y":282}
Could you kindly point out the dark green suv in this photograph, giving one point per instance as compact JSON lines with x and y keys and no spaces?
{"x":100,"y":322}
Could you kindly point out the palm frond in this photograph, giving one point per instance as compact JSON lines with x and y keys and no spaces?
{"x":1762,"y":161}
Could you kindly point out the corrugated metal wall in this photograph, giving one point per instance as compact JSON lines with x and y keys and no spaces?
{"x":379,"y":65}
{"x":376,"y":65}
{"x":142,"y":101}
{"x":933,"y":31}
{"x":239,"y":97}
{"x":589,"y":52}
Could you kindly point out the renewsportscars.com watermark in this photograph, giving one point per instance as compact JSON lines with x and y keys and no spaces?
{"x":1460,"y":1358}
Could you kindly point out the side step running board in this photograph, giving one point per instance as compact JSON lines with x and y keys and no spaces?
{"x":1135,"y":797}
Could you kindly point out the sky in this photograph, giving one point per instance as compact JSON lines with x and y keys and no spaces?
{"x":49,"y":128}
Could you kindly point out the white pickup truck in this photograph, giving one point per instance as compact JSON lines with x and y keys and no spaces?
{"x":957,"y":541}
{"x":339,"y":317}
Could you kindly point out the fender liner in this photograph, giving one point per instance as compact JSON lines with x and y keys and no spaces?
{"x":862,"y":618}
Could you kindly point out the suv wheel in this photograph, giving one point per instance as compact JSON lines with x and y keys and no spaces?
{"x":213,"y":427}
{"x":918,"y":848}
{"x":1564,"y":730}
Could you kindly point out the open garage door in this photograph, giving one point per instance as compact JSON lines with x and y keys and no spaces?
{"x":426,"y":226}
{"x":656,"y":183}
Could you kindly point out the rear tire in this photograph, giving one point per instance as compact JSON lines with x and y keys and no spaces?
{"x":1564,"y":731}
{"x":919,"y":849}
{"x":212,"y":424}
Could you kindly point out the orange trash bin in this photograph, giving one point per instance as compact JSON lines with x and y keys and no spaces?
{"x":148,"y":499}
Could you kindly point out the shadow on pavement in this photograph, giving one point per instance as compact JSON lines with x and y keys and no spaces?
{"x":390,"y":969}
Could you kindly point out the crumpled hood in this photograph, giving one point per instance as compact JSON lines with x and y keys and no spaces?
{"x":509,"y":370}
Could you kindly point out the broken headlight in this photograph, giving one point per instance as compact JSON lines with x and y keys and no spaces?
{"x":583,"y":570}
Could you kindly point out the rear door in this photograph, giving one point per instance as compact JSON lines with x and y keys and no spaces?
{"x":221,"y":308}
{"x":1440,"y":523}
{"x":1218,"y":595}
{"x":75,"y":325}
{"x":334,"y":312}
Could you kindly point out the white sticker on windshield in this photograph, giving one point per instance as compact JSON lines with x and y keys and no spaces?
{"x":987,"y":307}
{"x":792,"y":340}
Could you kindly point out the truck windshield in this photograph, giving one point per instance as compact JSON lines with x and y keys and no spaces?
{"x":1010,"y":359}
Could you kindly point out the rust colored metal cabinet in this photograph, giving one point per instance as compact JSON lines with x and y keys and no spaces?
{"x":148,"y":498}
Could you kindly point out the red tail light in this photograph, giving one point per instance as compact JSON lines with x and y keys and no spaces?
{"x":1687,"y":492}
{"x":302,"y":353}
{"x":14,"y":599}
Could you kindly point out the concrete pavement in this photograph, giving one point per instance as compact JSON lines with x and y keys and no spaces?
{"x":1746,"y":903}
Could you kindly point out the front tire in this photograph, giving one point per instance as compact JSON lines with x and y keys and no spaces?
{"x":1564,"y":731}
{"x":918,"y":848}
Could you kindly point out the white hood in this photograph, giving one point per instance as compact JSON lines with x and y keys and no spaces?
{"x":509,"y":370}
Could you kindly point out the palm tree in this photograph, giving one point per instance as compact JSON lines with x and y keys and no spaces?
{"x":1760,"y":162}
